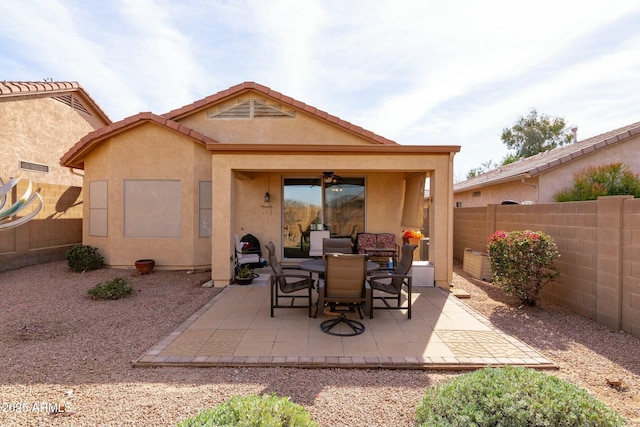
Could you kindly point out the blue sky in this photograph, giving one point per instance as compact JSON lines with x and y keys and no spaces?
{"x":418,"y":72}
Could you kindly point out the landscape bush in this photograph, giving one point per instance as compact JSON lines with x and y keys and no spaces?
{"x":511,"y":396}
{"x":112,"y":289}
{"x":253,"y":411}
{"x":522,"y":262}
{"x":83,"y":258}
{"x":614,"y":179}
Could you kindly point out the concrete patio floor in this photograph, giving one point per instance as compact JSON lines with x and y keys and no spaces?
{"x":235,"y":329}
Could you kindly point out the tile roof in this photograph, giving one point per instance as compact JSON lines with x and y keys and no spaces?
{"x":73,"y":157}
{"x":543,"y":162}
{"x":287,"y":100}
{"x":10,"y":89}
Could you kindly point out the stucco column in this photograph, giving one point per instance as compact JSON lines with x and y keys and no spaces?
{"x":441,"y":227}
{"x":222,"y":248}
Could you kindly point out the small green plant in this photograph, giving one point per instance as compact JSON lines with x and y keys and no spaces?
{"x":83,"y":258}
{"x":253,"y":411}
{"x":614,"y":179}
{"x":512,"y":396}
{"x":244,"y":272}
{"x":522,"y":262}
{"x":112,"y":289}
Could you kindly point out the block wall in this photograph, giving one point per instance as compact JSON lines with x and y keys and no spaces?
{"x":50,"y":234}
{"x":599,"y":243}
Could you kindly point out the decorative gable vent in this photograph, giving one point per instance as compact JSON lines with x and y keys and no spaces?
{"x":34,"y":167}
{"x":252,"y":109}
{"x":72,"y":101}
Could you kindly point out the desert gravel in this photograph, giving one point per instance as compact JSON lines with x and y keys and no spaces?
{"x":58,"y":346}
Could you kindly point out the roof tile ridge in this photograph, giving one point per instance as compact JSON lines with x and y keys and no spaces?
{"x":4,"y":88}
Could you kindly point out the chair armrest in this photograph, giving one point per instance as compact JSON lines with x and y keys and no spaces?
{"x":390,"y":276}
{"x":385,"y":276}
{"x":297,"y":276}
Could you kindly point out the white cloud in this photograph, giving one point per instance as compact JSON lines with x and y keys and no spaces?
{"x":418,"y":72}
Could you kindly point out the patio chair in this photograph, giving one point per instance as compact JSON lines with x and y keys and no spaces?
{"x":393,"y":284}
{"x":346,"y":289}
{"x":304,"y":235}
{"x":285,"y":284}
{"x":339,"y":245}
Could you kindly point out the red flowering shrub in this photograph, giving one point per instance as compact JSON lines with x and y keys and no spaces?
{"x":522,"y":262}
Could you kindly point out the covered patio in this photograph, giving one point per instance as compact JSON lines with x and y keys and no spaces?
{"x":235,"y":329}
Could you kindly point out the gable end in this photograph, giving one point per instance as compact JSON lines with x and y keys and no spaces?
{"x":72,"y":102}
{"x":251,"y":109}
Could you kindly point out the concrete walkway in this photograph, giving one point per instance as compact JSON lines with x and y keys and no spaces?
{"x":235,"y":329}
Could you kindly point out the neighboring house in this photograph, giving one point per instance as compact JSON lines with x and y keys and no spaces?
{"x":40,"y":120}
{"x":538,"y":178}
{"x":38,"y":123}
{"x":177,"y":187}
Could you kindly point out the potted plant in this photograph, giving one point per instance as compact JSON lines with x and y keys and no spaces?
{"x":413,"y":238}
{"x":244,"y":275}
{"x":145,"y":266}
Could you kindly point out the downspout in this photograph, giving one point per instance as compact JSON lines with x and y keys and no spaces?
{"x":531,"y":185}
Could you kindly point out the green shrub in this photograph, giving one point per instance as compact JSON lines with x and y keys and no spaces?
{"x":112,"y":289}
{"x":522,"y":262}
{"x":614,"y":179}
{"x":253,"y":410}
{"x":82,"y":258}
{"x":512,"y":396}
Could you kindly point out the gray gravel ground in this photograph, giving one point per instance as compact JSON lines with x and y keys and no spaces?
{"x":54,"y":341}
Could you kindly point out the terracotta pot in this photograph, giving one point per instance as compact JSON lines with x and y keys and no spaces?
{"x":145,"y":266}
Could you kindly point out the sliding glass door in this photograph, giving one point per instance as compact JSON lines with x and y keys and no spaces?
{"x":310,"y":204}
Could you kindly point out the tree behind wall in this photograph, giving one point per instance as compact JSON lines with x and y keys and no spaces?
{"x":535,"y":134}
{"x":529,"y":136}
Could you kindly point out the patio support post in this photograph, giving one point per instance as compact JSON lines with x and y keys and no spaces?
{"x":222,"y":224}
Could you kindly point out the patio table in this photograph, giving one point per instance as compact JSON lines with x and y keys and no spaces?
{"x":317,"y":265}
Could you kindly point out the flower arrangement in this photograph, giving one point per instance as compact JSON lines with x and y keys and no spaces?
{"x":412,"y":234}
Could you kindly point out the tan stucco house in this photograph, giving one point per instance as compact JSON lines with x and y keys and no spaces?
{"x":39,"y":121}
{"x":177,"y":187}
{"x":538,"y":178}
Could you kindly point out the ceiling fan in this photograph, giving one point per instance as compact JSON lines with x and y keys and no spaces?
{"x":330,"y":178}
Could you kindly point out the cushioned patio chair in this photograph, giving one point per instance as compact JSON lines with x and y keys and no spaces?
{"x":393,"y":284}
{"x":379,"y":246}
{"x":285,"y":283}
{"x":344,"y":289}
